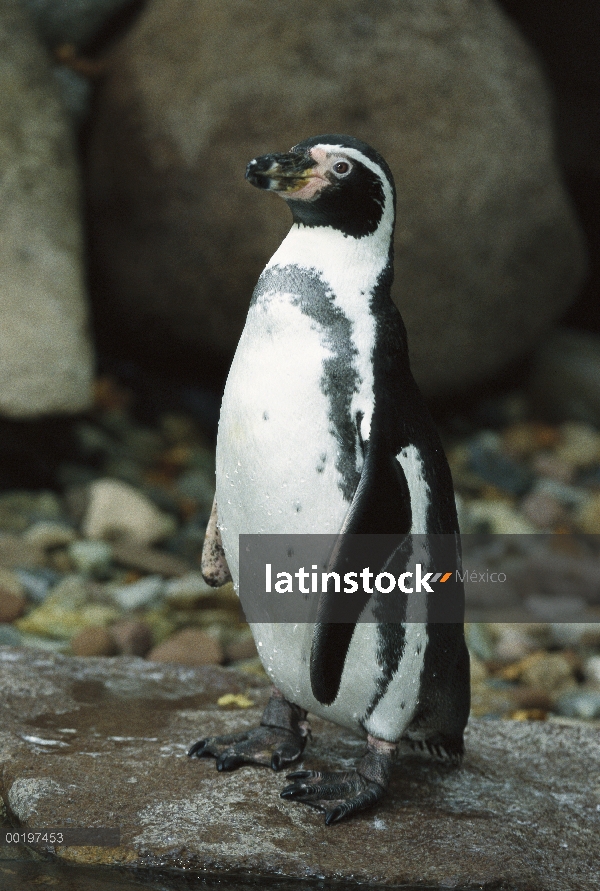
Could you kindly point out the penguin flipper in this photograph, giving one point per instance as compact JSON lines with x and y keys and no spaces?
{"x":215,"y":570}
{"x":381,"y":505}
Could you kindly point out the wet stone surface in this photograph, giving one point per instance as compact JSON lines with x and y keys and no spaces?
{"x":102,"y":743}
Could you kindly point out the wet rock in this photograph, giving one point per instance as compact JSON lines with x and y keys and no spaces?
{"x":565,"y":381}
{"x":190,"y":646}
{"x":46,"y":356}
{"x":91,"y":557}
{"x":221,"y":100}
{"x":481,"y":824}
{"x":132,"y":638}
{"x":94,"y":641}
{"x":50,"y":535}
{"x":12,"y":606}
{"x":117,"y":509}
{"x":138,"y":594}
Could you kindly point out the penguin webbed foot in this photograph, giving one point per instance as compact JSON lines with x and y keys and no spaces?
{"x":339,"y":794}
{"x":277,"y":742}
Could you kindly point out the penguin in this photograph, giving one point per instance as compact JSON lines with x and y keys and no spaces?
{"x":324,"y":430}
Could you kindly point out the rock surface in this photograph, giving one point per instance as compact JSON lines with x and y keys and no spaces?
{"x":487,"y":249}
{"x":46,"y":357}
{"x":72,"y":21}
{"x":522,"y":813}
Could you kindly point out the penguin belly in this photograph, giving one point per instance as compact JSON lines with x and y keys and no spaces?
{"x":276,"y":473}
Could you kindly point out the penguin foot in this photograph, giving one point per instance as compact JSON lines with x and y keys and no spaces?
{"x":278,"y":741}
{"x":339,"y":794}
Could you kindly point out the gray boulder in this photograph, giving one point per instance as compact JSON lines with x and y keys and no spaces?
{"x":45,"y":355}
{"x":488,"y":252}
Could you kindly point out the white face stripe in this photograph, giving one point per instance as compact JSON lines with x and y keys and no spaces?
{"x":357,"y":155}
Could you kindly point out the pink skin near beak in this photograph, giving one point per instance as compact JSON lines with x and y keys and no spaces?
{"x":317,"y":179}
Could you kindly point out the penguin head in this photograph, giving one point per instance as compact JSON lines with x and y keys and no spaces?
{"x":332,"y":181}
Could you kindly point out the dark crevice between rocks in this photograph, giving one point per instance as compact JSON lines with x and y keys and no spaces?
{"x":14,"y":875}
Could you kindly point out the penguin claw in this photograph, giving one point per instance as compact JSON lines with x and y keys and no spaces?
{"x":338,"y":794}
{"x":264,"y":746}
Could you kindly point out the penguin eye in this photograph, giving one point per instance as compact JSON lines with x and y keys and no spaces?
{"x":341,"y":168}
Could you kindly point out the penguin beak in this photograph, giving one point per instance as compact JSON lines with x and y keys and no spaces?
{"x":285,"y":172}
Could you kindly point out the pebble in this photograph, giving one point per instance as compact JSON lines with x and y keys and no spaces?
{"x":132,"y":638}
{"x":37,"y":582}
{"x":190,"y":646}
{"x":498,"y":517}
{"x":580,"y":445}
{"x":10,"y":583}
{"x":138,"y":594}
{"x":588,"y":517}
{"x":522,"y":439}
{"x":237,"y":700}
{"x":532,"y":698}
{"x":243,"y":648}
{"x":568,"y":634}
{"x":513,"y":644}
{"x":116,"y":509}
{"x":187,"y":591}
{"x":16,"y":552}
{"x":552,"y":467}
{"x":9,"y":636}
{"x":583,"y":704}
{"x":592,"y":669}
{"x":66,"y":611}
{"x":543,"y":510}
{"x":570,"y":496}
{"x":91,"y":557}
{"x":497,"y":469}
{"x":12,"y":606}
{"x":46,"y":534}
{"x":550,"y":672}
{"x":152,"y":560}
{"x":94,"y":641}
{"x":479,"y":640}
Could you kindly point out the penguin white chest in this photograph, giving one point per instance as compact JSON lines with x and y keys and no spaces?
{"x":281,"y":463}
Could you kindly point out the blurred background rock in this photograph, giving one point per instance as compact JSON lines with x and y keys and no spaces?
{"x":127,"y":230}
